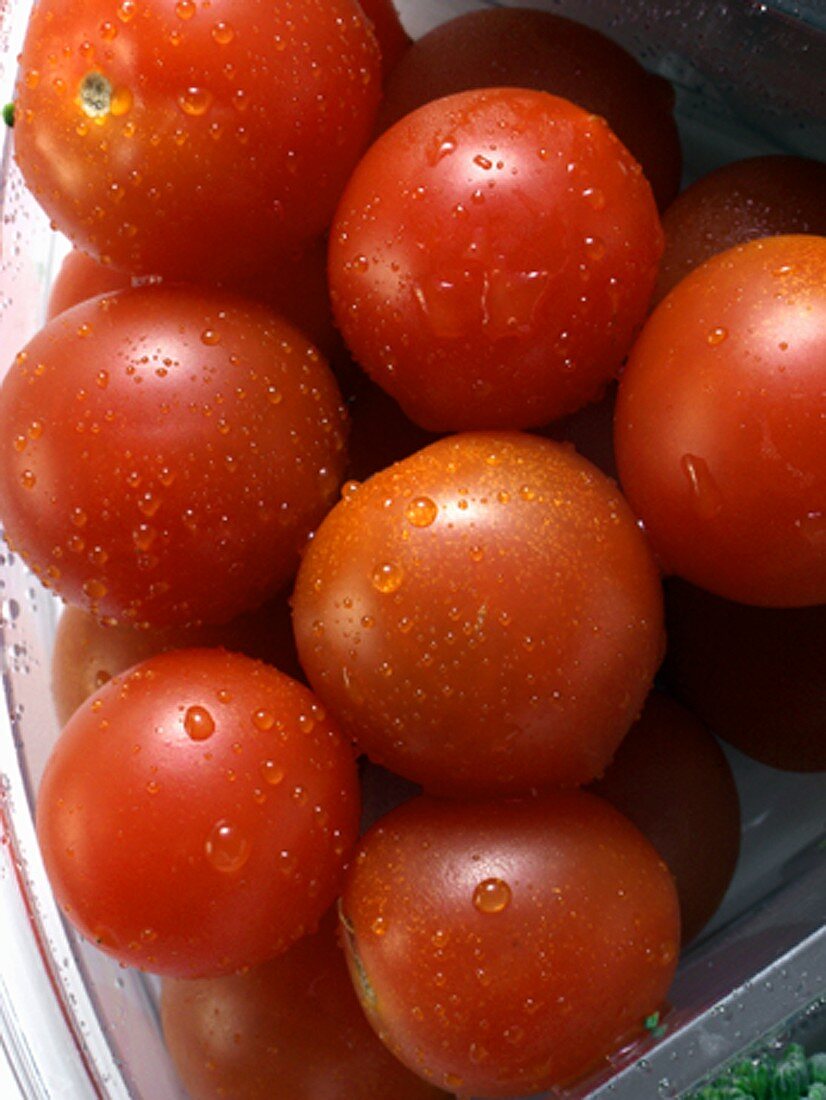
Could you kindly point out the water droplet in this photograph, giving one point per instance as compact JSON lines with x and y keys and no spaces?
{"x":379,"y":926}
{"x":595,"y":247}
{"x":482,"y":162}
{"x":421,"y":512}
{"x":274,"y":395}
{"x":223,"y":33}
{"x":387,"y":577}
{"x":717,"y":336}
{"x":227,"y":849}
{"x":493,"y":895}
{"x":476,"y":553}
{"x":195,"y":101}
{"x":263,"y":720}
{"x":705,"y":493}
{"x":594,"y":197}
{"x":95,"y":589}
{"x":210,"y":337}
{"x":185,"y":9}
{"x":273,"y":773}
{"x":126,"y":10}
{"x":28,"y":479}
{"x":198,"y":723}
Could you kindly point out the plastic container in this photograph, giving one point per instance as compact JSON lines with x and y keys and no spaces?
{"x":73,"y":1023}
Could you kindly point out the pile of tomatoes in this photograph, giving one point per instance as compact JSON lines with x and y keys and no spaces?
{"x":297,"y":448}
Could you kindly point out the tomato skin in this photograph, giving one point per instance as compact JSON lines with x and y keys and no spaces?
{"x":161,"y":438}
{"x":502,"y":947}
{"x":291,"y":1027}
{"x":671,"y":778}
{"x":521,"y":310}
{"x":719,"y":424}
{"x":742,"y":201}
{"x":483,"y":617}
{"x":195,"y":814}
{"x":521,"y":48}
{"x":196,"y":168}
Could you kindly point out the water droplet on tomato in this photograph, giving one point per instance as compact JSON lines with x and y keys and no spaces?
{"x":126,"y":10}
{"x":95,"y":589}
{"x":223,"y":33}
{"x":706,"y":497}
{"x":185,"y":9}
{"x":272,"y":772}
{"x":421,"y":512}
{"x":379,"y":926}
{"x":717,"y":336}
{"x":493,"y":895}
{"x":594,"y":197}
{"x":263,"y":720}
{"x":198,"y":723}
{"x":227,"y":849}
{"x":595,"y":247}
{"x":28,"y":479}
{"x":387,"y":577}
{"x":195,"y":101}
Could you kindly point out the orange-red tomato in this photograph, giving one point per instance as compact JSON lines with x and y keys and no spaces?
{"x":545,"y":51}
{"x":671,"y":778}
{"x":502,"y":947}
{"x":88,"y":653}
{"x":492,"y":258}
{"x":290,"y":1028}
{"x":757,"y":197}
{"x":719,"y":424}
{"x":165,"y":451}
{"x":756,"y":675}
{"x":193,"y":141}
{"x":484,"y":616}
{"x":196,"y":814}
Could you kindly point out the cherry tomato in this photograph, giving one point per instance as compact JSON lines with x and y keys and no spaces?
{"x":291,"y":1027}
{"x":188,"y":139}
{"x":196,"y":813}
{"x":164,"y":453}
{"x":538,"y":49}
{"x":503,"y":947}
{"x":719,"y":428}
{"x":672,"y":779}
{"x":758,"y":197}
{"x":482,"y":617}
{"x":492,"y":258}
{"x":88,"y":653}
{"x":393,"y":38}
{"x":756,"y":675}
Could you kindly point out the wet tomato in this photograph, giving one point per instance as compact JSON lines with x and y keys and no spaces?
{"x":484,"y":616}
{"x":492,"y":258}
{"x":196,"y":813}
{"x":503,"y":947}
{"x":193,"y":139}
{"x":719,"y":424}
{"x":165,"y":452}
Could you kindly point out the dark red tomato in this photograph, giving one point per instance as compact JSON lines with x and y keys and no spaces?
{"x":88,"y":653}
{"x":501,"y":948}
{"x":719,"y":424}
{"x":196,"y":813}
{"x":492,"y":258}
{"x":290,"y":1028}
{"x":164,"y":453}
{"x":758,"y":197}
{"x":193,"y":139}
{"x":483,"y":617}
{"x":672,"y":779}
{"x":295,"y":287}
{"x":393,"y":38}
{"x":537,"y":49}
{"x":756,"y":675}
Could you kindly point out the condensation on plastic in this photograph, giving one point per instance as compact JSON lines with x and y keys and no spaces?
{"x":75,"y":1025}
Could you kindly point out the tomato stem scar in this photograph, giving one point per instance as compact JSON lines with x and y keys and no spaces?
{"x":95,"y":95}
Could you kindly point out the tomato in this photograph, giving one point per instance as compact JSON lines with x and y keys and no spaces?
{"x":719,"y":424}
{"x":482,"y":617}
{"x":757,"y":197}
{"x":164,"y":453}
{"x":756,"y":675}
{"x":193,"y":139}
{"x":291,"y":1027}
{"x":503,"y":947}
{"x":195,"y":814}
{"x":491,"y":259}
{"x":88,"y":653}
{"x":671,"y":778}
{"x":393,"y":38}
{"x":295,"y":288}
{"x":541,"y":50}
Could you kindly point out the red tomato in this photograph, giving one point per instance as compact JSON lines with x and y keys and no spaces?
{"x":290,"y":1028}
{"x":758,"y":197}
{"x":88,"y":653}
{"x":164,"y":453}
{"x":196,"y":813}
{"x":492,"y":258}
{"x":80,"y":277}
{"x":193,"y":139}
{"x":756,"y":675}
{"x":503,"y":947}
{"x":541,"y":50}
{"x":483,"y":617}
{"x":719,"y":424}
{"x":393,"y":38}
{"x":672,"y":779}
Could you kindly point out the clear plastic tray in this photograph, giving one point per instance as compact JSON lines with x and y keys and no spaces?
{"x":73,"y":1023}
